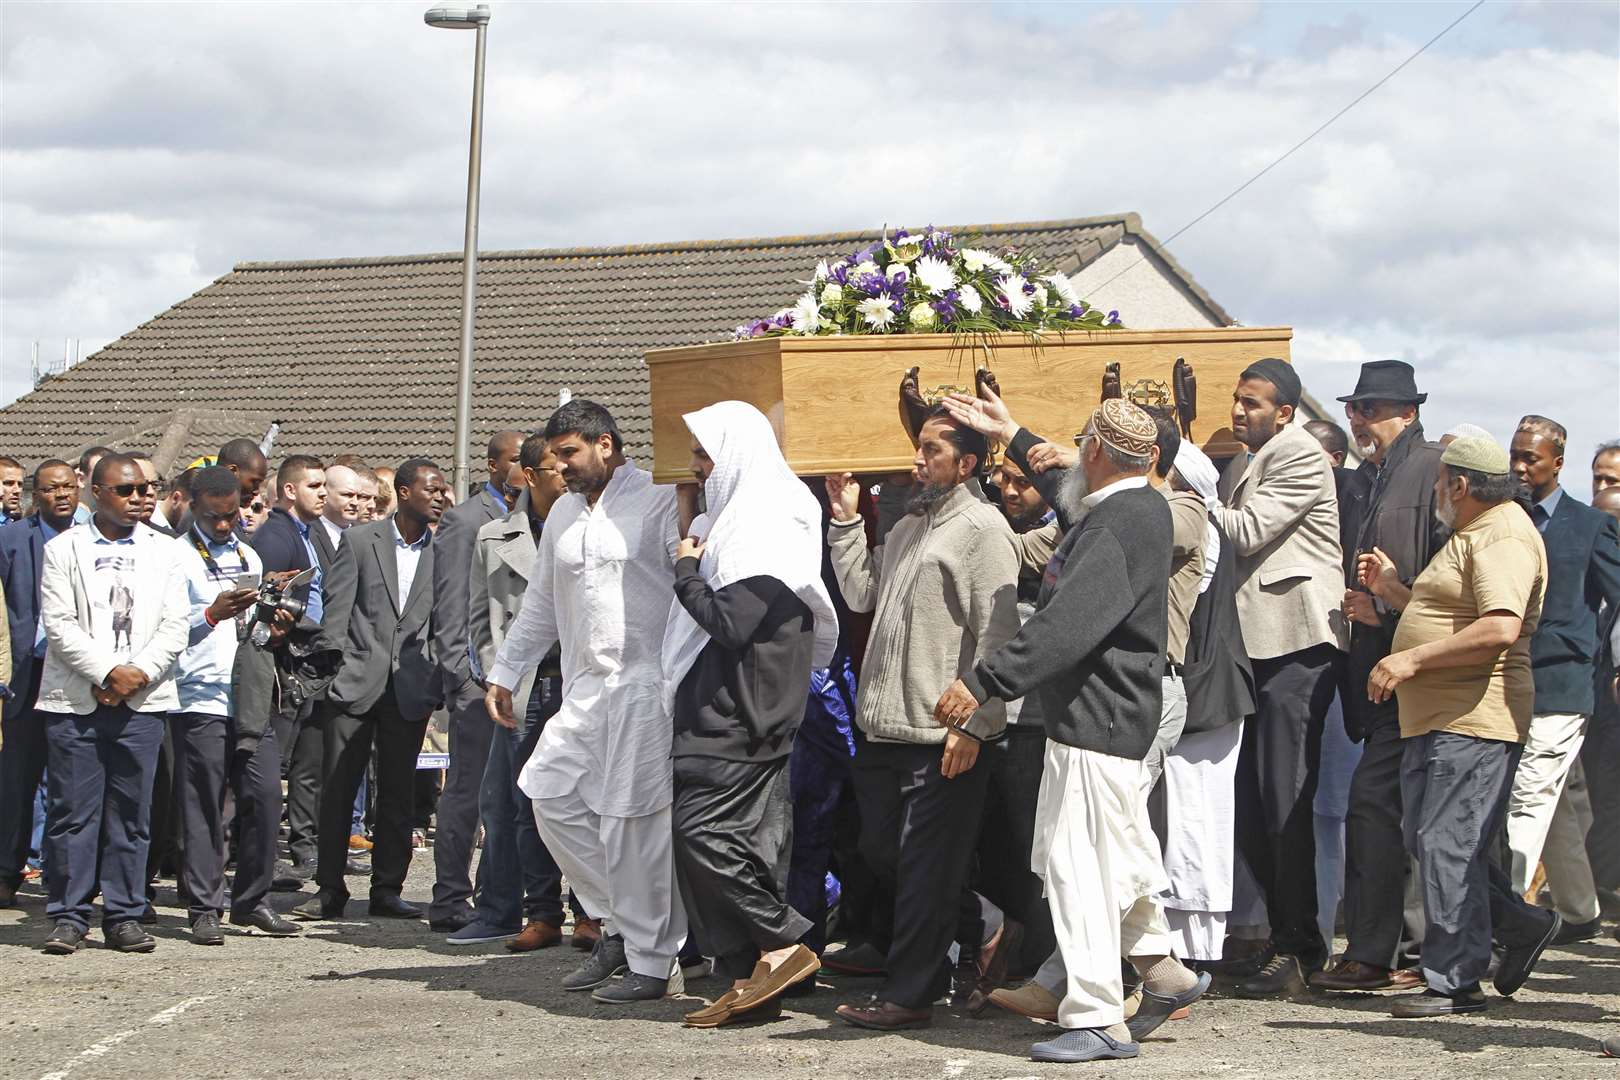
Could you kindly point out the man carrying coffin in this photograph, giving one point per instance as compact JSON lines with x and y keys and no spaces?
{"x":751,"y":619}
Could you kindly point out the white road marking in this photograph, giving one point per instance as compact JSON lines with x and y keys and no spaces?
{"x":113,"y":1041}
{"x":955,"y":1067}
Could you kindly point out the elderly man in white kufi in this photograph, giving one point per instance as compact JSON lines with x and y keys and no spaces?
{"x":600,"y":777}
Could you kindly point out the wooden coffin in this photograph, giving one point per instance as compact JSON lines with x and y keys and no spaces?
{"x":833,"y":400}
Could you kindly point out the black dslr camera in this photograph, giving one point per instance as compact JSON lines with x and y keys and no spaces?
{"x":273,"y":597}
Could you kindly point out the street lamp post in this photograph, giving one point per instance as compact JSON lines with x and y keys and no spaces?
{"x":462,"y":18}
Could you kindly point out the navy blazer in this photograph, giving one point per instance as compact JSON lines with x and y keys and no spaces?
{"x":22,"y":559}
{"x":1583,"y":571}
{"x":281,"y":547}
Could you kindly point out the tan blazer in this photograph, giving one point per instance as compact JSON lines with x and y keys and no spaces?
{"x":1282,"y":517}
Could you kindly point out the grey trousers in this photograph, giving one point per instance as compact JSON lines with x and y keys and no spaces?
{"x":471,"y":732}
{"x":1454,"y":792}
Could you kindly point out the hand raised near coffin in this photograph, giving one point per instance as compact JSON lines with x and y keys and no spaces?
{"x":912,"y":406}
{"x":1185,"y":387}
{"x":1110,"y":382}
{"x":843,"y":497}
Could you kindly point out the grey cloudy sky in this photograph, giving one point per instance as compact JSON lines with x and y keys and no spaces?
{"x":1464,"y":217}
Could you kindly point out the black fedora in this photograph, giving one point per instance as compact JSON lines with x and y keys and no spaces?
{"x":1387,"y":380}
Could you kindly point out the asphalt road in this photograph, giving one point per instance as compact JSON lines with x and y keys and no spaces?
{"x":372,"y":999}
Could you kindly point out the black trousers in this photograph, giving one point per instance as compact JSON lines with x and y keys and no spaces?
{"x":207,"y":765}
{"x":1276,"y":786}
{"x":301,"y":736}
{"x":349,"y":742}
{"x":471,"y":732}
{"x":1015,"y":764}
{"x":164,"y":850}
{"x":733,"y":823}
{"x":917,"y":830}
{"x":1601,"y":757}
{"x":1377,"y":922}
{"x":22,"y":764}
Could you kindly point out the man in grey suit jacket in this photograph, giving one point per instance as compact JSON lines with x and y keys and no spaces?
{"x":470,"y":729}
{"x":379,"y":612}
{"x":1282,"y":516}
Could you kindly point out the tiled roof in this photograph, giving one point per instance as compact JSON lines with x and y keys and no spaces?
{"x":360,"y":354}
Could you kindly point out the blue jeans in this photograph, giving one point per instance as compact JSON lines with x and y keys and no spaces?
{"x":97,"y":834}
{"x":520,"y":878}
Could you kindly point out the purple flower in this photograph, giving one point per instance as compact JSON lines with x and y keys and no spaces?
{"x":839,"y":275}
{"x":900,"y":234}
{"x":870,"y":284}
{"x":1077,"y":311}
{"x":1113,"y":317}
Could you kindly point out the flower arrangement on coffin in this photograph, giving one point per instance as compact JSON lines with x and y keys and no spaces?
{"x":928,"y":283}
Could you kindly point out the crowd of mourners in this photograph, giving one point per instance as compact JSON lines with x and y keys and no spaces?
{"x":1068,"y":729}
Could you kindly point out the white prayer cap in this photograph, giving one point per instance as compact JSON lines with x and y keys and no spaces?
{"x":1468,"y":431}
{"x":1199,"y":472}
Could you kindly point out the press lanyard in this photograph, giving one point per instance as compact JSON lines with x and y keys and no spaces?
{"x":214,"y":572}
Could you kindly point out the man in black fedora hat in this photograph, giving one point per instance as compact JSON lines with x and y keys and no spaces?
{"x":1396,"y":517}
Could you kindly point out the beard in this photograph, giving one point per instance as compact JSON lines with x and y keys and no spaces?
{"x":928,"y":496}
{"x":1444,"y":510}
{"x":588,"y":479}
{"x":1075,"y":489}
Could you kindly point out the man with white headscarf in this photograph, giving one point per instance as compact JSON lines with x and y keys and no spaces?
{"x":1200,"y":770}
{"x":750,"y":620}
{"x":600,"y":777}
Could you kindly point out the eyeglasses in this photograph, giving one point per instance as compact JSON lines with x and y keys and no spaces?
{"x":256,"y":508}
{"x":124,"y":491}
{"x":1080,"y":439}
{"x":1365,"y":409}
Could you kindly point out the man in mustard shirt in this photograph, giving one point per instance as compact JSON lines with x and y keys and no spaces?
{"x":1460,"y":671}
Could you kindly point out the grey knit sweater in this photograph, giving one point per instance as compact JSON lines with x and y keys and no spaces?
{"x":944,"y":586}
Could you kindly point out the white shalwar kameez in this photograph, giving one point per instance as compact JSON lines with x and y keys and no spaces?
{"x":1199,"y":775}
{"x":600,"y":776}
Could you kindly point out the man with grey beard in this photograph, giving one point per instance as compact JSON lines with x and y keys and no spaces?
{"x":944,"y":590}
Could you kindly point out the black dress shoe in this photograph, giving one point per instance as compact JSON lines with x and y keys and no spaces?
{"x":8,"y":894}
{"x":1570,"y":933}
{"x":287,"y":878}
{"x":128,"y":936}
{"x":449,"y":924}
{"x":1515,"y":965}
{"x":266,"y":921}
{"x":205,"y":930}
{"x":356,"y":868}
{"x":1432,"y":1003}
{"x":393,"y":906}
{"x":64,"y":940}
{"x":322,"y":905}
{"x":149,"y":916}
{"x":305,"y":870}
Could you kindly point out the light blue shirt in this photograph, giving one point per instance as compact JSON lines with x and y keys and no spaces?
{"x":316,"y":607}
{"x":495,"y":493}
{"x":203,"y":671}
{"x":408,"y":556}
{"x":1549,"y":506}
{"x":81,"y":514}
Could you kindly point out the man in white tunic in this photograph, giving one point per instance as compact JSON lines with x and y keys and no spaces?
{"x":601,"y":778}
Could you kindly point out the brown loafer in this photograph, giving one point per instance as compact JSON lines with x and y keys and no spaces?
{"x":1352,"y":976}
{"x":587,"y":932}
{"x":1031,"y":1000}
{"x":766,"y":984}
{"x":885,"y":1016}
{"x":721,"y":1013}
{"x":536,"y":935}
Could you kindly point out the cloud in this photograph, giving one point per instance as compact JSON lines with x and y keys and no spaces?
{"x":1462,"y":216}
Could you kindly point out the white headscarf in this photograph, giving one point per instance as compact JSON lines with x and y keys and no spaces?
{"x":1201,"y":475}
{"x":761,"y":522}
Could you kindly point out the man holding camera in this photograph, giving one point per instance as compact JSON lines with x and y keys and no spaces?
{"x":211,"y":749}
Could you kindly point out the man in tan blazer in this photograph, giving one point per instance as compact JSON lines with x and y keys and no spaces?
{"x":1282,"y":516}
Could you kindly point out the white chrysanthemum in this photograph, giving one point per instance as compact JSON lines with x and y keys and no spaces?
{"x":975,"y":260}
{"x":1064,"y":288}
{"x":863,"y":268}
{"x":935,"y":275}
{"x":1011,"y":288}
{"x":894,"y":271}
{"x":822,"y":271}
{"x":1041,"y":296}
{"x":972,"y":302}
{"x":807,"y":314}
{"x":832,"y":294}
{"x":922,"y":317}
{"x":877,"y":312}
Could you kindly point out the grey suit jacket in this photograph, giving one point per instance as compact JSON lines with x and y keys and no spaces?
{"x":1282,"y":517}
{"x":381,"y":634}
{"x":453,"y":552}
{"x":501,"y":560}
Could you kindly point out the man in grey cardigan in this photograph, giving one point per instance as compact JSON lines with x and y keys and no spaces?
{"x":944,"y":587}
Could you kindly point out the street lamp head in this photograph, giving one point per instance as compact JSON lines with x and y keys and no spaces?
{"x":457,"y":18}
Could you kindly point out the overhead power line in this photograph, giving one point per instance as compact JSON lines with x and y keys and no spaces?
{"x":1235,"y":192}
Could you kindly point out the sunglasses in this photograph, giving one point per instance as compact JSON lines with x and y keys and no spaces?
{"x":124,"y":491}
{"x":256,"y":508}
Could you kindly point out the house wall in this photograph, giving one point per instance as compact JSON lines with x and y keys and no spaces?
{"x":1148,"y":297}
